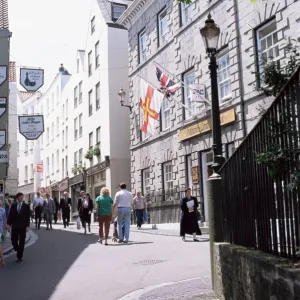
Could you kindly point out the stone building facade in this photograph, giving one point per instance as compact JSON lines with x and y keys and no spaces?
{"x":166,"y":33}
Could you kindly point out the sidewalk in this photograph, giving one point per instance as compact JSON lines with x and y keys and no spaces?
{"x":193,"y":289}
{"x":7,"y":246}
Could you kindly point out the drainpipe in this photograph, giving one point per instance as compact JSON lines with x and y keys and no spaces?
{"x":240,"y":66}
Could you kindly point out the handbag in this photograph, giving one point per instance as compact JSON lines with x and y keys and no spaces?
{"x":78,"y":223}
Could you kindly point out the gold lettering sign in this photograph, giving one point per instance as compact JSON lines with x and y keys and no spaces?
{"x":226,"y":117}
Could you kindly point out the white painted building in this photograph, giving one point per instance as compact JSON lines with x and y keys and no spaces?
{"x":85,"y":113}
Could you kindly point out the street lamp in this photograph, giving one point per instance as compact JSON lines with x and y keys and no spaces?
{"x":122,"y":94}
{"x":210,"y":34}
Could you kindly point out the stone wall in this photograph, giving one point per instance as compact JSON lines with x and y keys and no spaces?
{"x":246,"y":274}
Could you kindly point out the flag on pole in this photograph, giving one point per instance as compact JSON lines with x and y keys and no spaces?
{"x":150,"y":104}
{"x":166,"y":83}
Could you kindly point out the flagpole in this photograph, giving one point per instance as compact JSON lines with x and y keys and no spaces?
{"x":183,"y":83}
{"x":179,"y":102}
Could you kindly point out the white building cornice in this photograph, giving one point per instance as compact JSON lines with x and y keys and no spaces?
{"x":133,"y":12}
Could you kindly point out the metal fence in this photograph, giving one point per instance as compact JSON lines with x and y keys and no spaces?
{"x":261,"y":180}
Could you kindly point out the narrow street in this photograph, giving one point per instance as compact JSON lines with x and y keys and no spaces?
{"x":65,"y":264}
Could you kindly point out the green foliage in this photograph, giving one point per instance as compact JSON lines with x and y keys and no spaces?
{"x":89,"y":154}
{"x":276,"y":73}
{"x":96,"y":151}
{"x":75,"y":170}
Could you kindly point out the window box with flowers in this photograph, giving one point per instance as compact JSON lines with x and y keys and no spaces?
{"x":90,"y":153}
{"x":96,"y":151}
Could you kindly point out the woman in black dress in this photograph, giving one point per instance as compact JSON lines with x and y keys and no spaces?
{"x":189,"y":221}
{"x":85,"y":209}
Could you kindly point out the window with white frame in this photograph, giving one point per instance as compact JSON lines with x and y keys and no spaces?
{"x":80,"y":91}
{"x":75,"y":96}
{"x":98,"y":135}
{"x":98,"y":95}
{"x":142,"y":46}
{"x":90,"y":102}
{"x":63,"y":139}
{"x":146,"y":182}
{"x":66,"y":164}
{"x":162,"y":27}
{"x":26,"y":172}
{"x":31,"y":171}
{"x":78,"y":64}
{"x":80,"y":125}
{"x":52,"y":163}
{"x":80,"y":156}
{"x":188,"y":79}
{"x":118,"y":10}
{"x":75,"y":158}
{"x":67,"y":106}
{"x":57,"y":159}
{"x":97,"y":54}
{"x":93,"y":25}
{"x":52,"y":101}
{"x":48,"y":165}
{"x":185,"y":13}
{"x":52,"y":130}
{"x":224,"y":77}
{"x":48,"y":136}
{"x":165,"y":114}
{"x":57,"y":125}
{"x":91,"y":139}
{"x":63,"y":112}
{"x":168,"y":176}
{"x":67,"y":136}
{"x":63,"y":168}
{"x":267,"y":43}
{"x":75,"y":129}
{"x":32,"y":145}
{"x":90,"y":63}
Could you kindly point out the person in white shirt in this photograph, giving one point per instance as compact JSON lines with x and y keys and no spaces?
{"x":124,"y":201}
{"x":38,"y":202}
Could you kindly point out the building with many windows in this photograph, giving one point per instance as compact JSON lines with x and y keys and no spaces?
{"x":85,"y":145}
{"x":166,"y":34}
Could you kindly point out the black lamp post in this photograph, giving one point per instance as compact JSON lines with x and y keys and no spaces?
{"x":211,"y":33}
{"x":122,"y":94}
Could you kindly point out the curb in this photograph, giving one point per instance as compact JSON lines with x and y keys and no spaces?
{"x":11,"y":248}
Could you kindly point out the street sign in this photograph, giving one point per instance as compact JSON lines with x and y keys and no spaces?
{"x":196,"y":91}
{"x":2,"y":138}
{"x":31,"y":79}
{"x":3,"y":102}
{"x":31,"y":127}
{"x":40,"y":168}
{"x":3,"y":74}
{"x":3,"y":157}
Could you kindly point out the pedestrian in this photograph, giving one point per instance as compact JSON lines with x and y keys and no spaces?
{"x":65,"y":206}
{"x":2,"y":231}
{"x":38,"y":202}
{"x":19,"y":220}
{"x":104,"y":211}
{"x":7,"y":204}
{"x":31,"y":211}
{"x":124,"y":201}
{"x":140,"y":206}
{"x":189,"y":221}
{"x":56,"y":210}
{"x":85,"y":208}
{"x":49,"y":210}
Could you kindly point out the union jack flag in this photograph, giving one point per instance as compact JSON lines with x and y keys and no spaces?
{"x":169,"y":86}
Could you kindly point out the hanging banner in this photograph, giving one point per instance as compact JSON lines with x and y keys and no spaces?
{"x":2,"y":105}
{"x":2,"y":138}
{"x":3,"y":74}
{"x":31,"y":127}
{"x":31,"y":79}
{"x":40,"y":168}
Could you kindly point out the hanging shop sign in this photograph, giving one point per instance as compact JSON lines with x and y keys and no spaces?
{"x":31,"y":127}
{"x":2,"y":138}
{"x":3,"y":102}
{"x":226,"y":118}
{"x":3,"y":74}
{"x":3,"y":157}
{"x":31,"y":79}
{"x":40,"y":168}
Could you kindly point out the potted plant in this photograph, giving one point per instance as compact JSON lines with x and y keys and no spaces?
{"x":75,"y":170}
{"x":89,"y":154}
{"x":275,"y":159}
{"x":96,"y":151}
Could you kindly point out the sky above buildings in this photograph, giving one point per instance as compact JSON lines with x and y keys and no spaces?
{"x":47,"y":33}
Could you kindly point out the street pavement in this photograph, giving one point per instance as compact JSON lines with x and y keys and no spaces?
{"x":64,"y":264}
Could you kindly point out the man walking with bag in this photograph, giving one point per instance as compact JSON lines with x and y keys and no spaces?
{"x":19,"y":220}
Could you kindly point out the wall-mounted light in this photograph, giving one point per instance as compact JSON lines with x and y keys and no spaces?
{"x":122,"y":94}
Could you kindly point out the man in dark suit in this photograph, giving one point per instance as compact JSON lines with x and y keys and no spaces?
{"x":19,"y":220}
{"x":65,"y":206}
{"x":56,"y":209}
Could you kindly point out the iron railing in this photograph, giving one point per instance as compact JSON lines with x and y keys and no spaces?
{"x":261,"y":180}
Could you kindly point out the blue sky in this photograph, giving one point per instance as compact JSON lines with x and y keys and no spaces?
{"x":47,"y":33}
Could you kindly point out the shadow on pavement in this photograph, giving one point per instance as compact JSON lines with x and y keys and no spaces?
{"x":130,"y":244}
{"x":45,"y":264}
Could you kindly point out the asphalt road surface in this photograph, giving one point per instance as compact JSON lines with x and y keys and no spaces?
{"x":65,"y":265}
